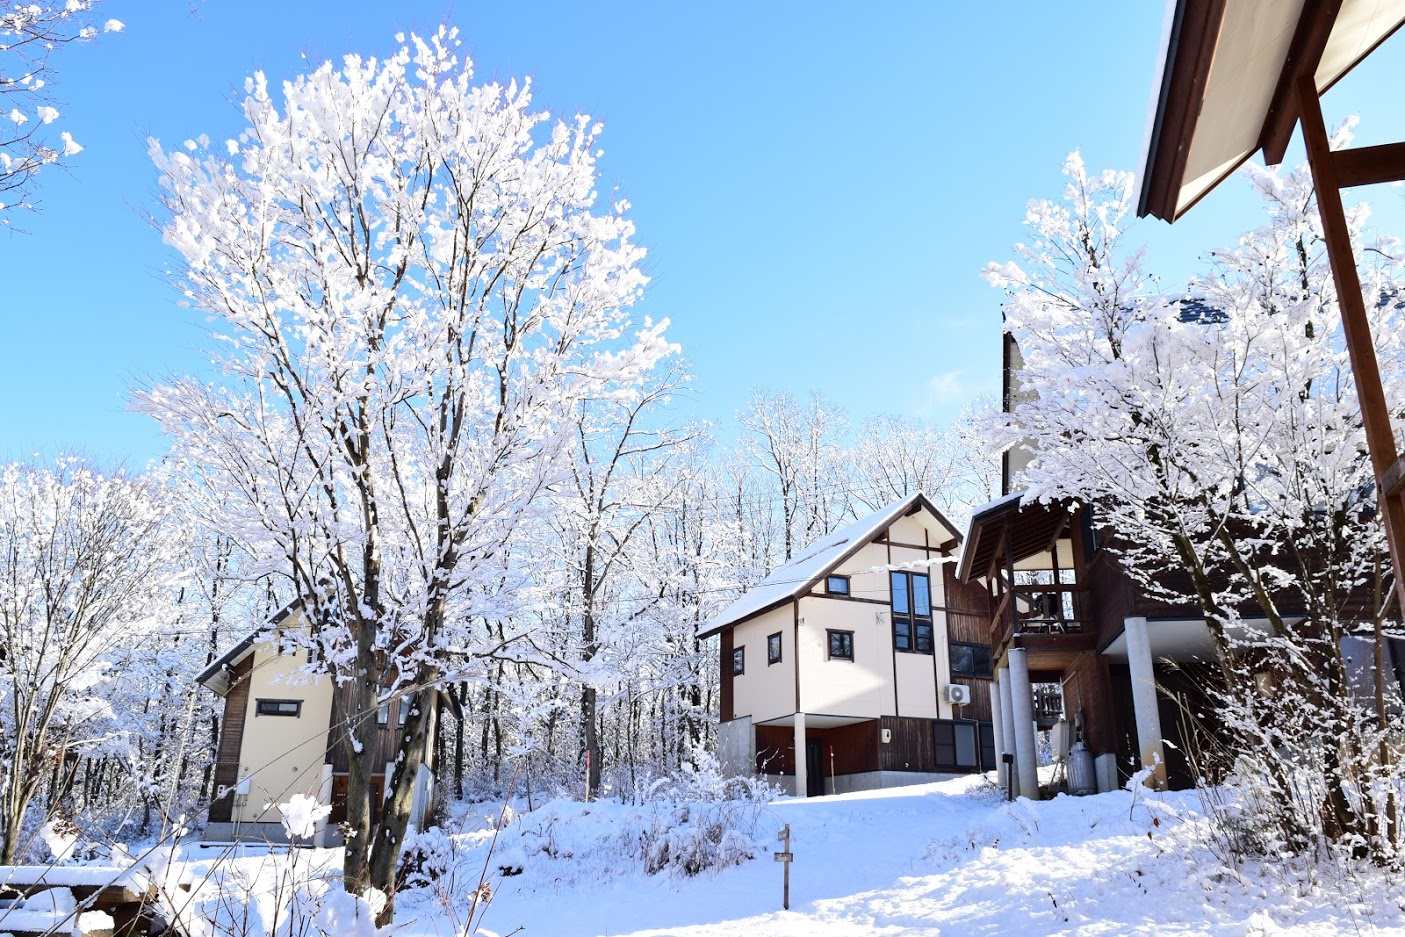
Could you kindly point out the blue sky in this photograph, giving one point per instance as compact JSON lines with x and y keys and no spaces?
{"x":818,"y":184}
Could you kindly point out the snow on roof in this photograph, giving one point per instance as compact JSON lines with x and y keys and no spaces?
{"x":997,"y":503}
{"x":799,"y":573}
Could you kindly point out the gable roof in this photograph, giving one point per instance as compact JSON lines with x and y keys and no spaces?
{"x":799,"y":574}
{"x":1023,"y":527}
{"x":214,"y":677}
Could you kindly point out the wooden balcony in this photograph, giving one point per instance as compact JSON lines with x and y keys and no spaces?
{"x":1050,"y":636}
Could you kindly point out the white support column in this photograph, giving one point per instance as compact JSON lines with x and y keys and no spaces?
{"x":802,"y":786}
{"x":1022,"y":704}
{"x":1007,"y":725}
{"x":997,"y":726}
{"x":1144,"y":703}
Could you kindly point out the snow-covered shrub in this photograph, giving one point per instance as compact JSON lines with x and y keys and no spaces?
{"x":291,"y":894}
{"x":702,"y":781}
{"x":696,"y":838}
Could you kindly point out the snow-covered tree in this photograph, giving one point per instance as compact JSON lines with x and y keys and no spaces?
{"x":619,"y":478}
{"x":1217,"y":432}
{"x":31,"y":32}
{"x":85,"y":581}
{"x":895,"y":456}
{"x":417,"y":288}
{"x":798,"y":444}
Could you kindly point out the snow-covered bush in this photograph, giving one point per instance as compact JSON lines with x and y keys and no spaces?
{"x":694,"y":838}
{"x":701,"y":780}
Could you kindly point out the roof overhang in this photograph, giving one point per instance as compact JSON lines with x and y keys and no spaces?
{"x":837,"y":554}
{"x":1011,"y":525}
{"x":1225,"y":85}
{"x":216,"y":677}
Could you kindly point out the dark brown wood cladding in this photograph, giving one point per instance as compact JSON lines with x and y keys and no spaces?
{"x":967,"y":608}
{"x":726,"y":706}
{"x":775,"y":750}
{"x":1086,"y":690}
{"x":979,"y":707}
{"x":381,"y":737}
{"x":855,"y":747}
{"x":912,"y":747}
{"x":236,"y":706}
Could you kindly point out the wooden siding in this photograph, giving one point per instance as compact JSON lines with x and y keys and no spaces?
{"x":912,"y":748}
{"x":236,"y":705}
{"x":727,"y":706}
{"x":382,"y":738}
{"x":979,"y":707}
{"x":968,"y":622}
{"x":967,"y":608}
{"x":775,"y":750}
{"x":1086,"y":689}
{"x":855,"y":747}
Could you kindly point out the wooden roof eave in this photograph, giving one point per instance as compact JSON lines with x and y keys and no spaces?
{"x":1192,"y":39}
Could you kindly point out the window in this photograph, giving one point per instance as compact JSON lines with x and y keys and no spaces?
{"x":958,"y":745}
{"x":405,"y":703}
{"x":841,"y":645}
{"x":773,"y":648}
{"x":279,"y":707}
{"x":971,"y":660}
{"x":837,"y":585}
{"x":738,"y":661}
{"x":912,"y":613}
{"x":383,"y":715}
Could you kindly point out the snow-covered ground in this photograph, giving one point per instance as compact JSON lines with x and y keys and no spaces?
{"x":949,"y":858}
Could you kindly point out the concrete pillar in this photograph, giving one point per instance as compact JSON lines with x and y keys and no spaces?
{"x":998,"y":729}
{"x":1007,"y":724}
{"x":802,"y":785}
{"x":1144,"y":703}
{"x":1022,"y":704}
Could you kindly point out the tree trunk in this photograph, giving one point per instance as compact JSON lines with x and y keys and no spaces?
{"x":416,"y":735}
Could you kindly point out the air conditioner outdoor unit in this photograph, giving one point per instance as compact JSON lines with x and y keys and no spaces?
{"x":957,"y":694}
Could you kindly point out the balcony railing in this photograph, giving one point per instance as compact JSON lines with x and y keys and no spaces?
{"x":1048,"y":610}
{"x":1048,"y":702}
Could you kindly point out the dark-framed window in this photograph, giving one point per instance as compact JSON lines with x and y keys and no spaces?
{"x":971,"y":660}
{"x":841,"y":645}
{"x":912,"y":613}
{"x":279,"y":707}
{"x":958,"y":744}
{"x":738,"y":661}
{"x":837,"y":585}
{"x":404,"y":707}
{"x":383,"y":714}
{"x":773,"y":648}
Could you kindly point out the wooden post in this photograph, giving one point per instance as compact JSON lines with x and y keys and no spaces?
{"x":1370,"y":393}
{"x":785,"y":856}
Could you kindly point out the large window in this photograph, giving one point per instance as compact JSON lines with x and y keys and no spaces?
{"x":964,"y":746}
{"x":773,"y":648}
{"x":738,"y":661}
{"x":971,"y":660}
{"x":841,"y":645}
{"x":912,"y":613}
{"x":279,"y":707}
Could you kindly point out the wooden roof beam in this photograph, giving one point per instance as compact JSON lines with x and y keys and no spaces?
{"x":1368,"y":165}
{"x":1309,"y":42}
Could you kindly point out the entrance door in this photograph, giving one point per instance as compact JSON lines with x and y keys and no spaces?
{"x":814,"y":768}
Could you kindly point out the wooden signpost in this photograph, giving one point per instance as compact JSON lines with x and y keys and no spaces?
{"x":787,"y":857}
